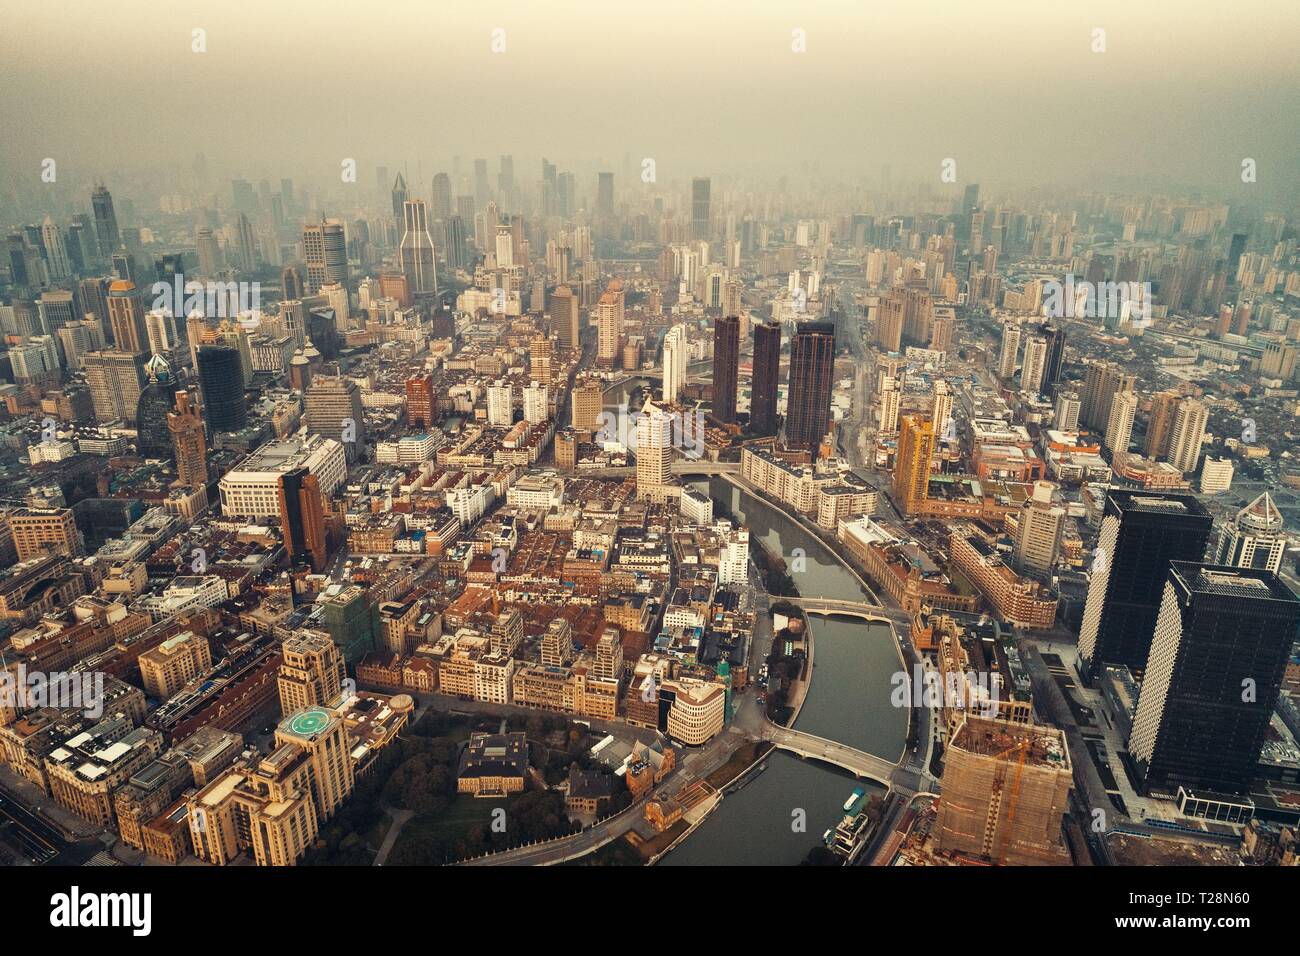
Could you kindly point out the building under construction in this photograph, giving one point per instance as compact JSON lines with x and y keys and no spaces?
{"x":1006,"y":787}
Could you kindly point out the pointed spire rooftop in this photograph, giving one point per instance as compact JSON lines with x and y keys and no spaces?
{"x":400,"y":184}
{"x":1260,"y":516}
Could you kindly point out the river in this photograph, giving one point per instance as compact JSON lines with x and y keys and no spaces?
{"x":849,"y":701}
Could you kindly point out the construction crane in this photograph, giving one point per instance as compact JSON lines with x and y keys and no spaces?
{"x":1022,"y":751}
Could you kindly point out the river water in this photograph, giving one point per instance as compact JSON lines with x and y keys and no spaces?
{"x":849,"y":701}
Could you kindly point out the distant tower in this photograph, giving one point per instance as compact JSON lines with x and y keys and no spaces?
{"x":399,"y":196}
{"x":416,"y":251}
{"x":106,"y":231}
{"x":700,"y":208}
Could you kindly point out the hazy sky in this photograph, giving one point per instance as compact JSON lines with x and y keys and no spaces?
{"x":1010,"y":89}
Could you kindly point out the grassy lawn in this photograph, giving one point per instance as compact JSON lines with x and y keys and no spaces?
{"x":464,"y":812}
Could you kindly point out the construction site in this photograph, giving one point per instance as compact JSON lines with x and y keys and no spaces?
{"x":1006,"y":788}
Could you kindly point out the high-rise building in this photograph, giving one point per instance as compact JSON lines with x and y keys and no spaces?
{"x":654,"y":450}
{"x":889,"y":322}
{"x":1119,"y":427}
{"x":325,"y":252}
{"x":565,"y":317}
{"x":153,"y":439}
{"x":1038,"y":531}
{"x":726,"y":366}
{"x":127,"y":318}
{"x":302,"y":519}
{"x":1161,"y":423}
{"x":333,"y":408}
{"x":107,"y":235}
{"x":536,"y":403}
{"x":416,"y":250}
{"x":1055,"y":359}
{"x":421,"y":406}
{"x":312,"y":672}
{"x":1035,"y":365}
{"x":700,"y":211}
{"x":116,"y":379}
{"x":1253,"y":539}
{"x":221,"y":380}
{"x":766,"y":377}
{"x":323,"y":736}
{"x":609,"y":323}
{"x":1188,"y":435}
{"x":1065,"y":416}
{"x":912,"y":464}
{"x":676,"y":357}
{"x":1141,"y":533}
{"x":42,"y":531}
{"x":1222,"y":640}
{"x":1102,"y":382}
{"x":1010,"y":352}
{"x":400,"y":195}
{"x":500,"y":403}
{"x":188,"y":442}
{"x":1006,"y":789}
{"x":588,"y":403}
{"x":812,"y":372}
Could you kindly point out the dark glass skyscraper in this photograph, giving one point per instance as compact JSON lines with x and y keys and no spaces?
{"x":812,"y":368}
{"x":107,"y":234}
{"x":153,"y":438}
{"x":1222,"y":640}
{"x":767,"y":369}
{"x":1141,"y":533}
{"x":221,"y":379}
{"x":726,"y":365}
{"x":1055,"y":360}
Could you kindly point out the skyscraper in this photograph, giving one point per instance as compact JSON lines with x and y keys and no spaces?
{"x":126,"y":317}
{"x":812,"y":369}
{"x":153,"y":440}
{"x":421,"y":406}
{"x":325,"y":250}
{"x":221,"y":379}
{"x":1038,"y":531}
{"x":302,"y":519}
{"x":188,"y":442}
{"x":675,"y":359}
{"x":1010,"y":351}
{"x":609,"y":323}
{"x":1055,"y":361}
{"x":1254,"y":538}
{"x":115,"y":380}
{"x":1119,"y":427}
{"x":1161,"y":423}
{"x":726,"y":366}
{"x":912,"y":464}
{"x":1141,"y":533}
{"x":1220,"y":650}
{"x":767,"y":371}
{"x":106,"y":232}
{"x":333,"y":409}
{"x":399,"y":198}
{"x":416,"y":251}
{"x":1188,"y":435}
{"x":700,"y":211}
{"x":564,"y":317}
